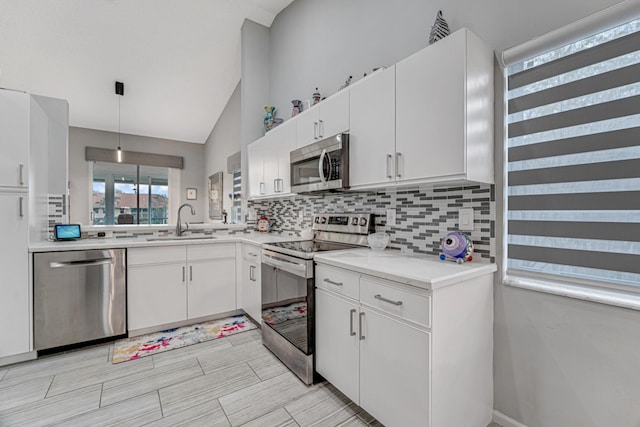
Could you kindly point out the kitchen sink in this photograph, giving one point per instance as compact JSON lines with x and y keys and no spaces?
{"x":187,"y":237}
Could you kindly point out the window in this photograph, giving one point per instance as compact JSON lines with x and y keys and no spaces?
{"x":573,"y":162}
{"x":129,"y":194}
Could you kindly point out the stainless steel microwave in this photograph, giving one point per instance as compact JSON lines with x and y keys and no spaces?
{"x":322,"y":165}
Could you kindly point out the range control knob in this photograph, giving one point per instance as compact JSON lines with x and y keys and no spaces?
{"x":317,"y":220}
{"x":324,"y":220}
{"x":363,"y":221}
{"x":354,"y":221}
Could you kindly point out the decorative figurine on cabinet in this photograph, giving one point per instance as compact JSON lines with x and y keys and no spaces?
{"x":297,"y":107}
{"x":346,"y":83}
{"x":456,"y":247}
{"x":316,"y":96}
{"x":268,"y":119}
{"x":439,"y":30}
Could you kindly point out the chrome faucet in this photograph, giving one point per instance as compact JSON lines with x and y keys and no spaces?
{"x":179,"y":230}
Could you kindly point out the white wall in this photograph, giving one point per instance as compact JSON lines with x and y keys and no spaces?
{"x":320,"y":43}
{"x":80,"y":182}
{"x":254,"y":92}
{"x":223,"y":142}
{"x":557,"y":361}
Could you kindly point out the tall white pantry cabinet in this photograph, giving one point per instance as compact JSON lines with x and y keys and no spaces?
{"x":33,"y":129}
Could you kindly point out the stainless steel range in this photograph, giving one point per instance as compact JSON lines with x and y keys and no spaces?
{"x":288,"y":287}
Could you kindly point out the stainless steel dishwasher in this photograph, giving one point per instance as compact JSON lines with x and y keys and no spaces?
{"x":78,"y":296}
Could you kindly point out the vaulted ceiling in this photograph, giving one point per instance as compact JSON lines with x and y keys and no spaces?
{"x":179,"y":59}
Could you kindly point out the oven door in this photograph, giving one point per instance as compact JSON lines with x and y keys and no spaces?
{"x":287,"y":298}
{"x":323,"y":165}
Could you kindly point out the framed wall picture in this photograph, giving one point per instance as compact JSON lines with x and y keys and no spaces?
{"x":192,"y":193}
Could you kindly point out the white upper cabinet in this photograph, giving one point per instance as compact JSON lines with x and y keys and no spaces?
{"x":372,"y":132}
{"x":444,"y":112}
{"x":14,"y":138}
{"x":268,"y":160}
{"x":328,"y":118}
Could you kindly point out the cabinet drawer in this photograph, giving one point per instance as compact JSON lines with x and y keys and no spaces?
{"x":337,"y":280}
{"x":217,"y":250}
{"x":156,"y":255}
{"x":392,"y":299}
{"x":251,"y":253}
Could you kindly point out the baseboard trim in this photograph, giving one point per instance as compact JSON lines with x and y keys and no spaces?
{"x":504,"y":421}
{"x":23,"y":357}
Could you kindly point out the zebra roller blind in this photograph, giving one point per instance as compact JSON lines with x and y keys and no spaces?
{"x":573,"y":163}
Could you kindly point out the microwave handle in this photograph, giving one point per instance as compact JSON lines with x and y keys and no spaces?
{"x":323,"y":179}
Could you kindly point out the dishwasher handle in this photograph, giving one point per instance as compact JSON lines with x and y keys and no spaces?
{"x":81,"y":263}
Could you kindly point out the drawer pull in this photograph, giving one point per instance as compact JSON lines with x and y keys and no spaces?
{"x":333,"y":283}
{"x":381,"y":298}
{"x":360,"y":326}
{"x":351,"y":331}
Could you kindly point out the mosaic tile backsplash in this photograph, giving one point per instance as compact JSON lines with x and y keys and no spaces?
{"x":424,"y":215}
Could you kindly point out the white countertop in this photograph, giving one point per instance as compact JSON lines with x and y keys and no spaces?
{"x":423,"y":271}
{"x":136,"y":242}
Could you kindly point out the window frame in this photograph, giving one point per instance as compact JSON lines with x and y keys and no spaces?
{"x":598,"y":291}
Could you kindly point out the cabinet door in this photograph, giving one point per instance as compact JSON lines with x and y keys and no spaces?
{"x":373,"y":129}
{"x":156,"y":295}
{"x":285,"y":142}
{"x":334,"y":115}
{"x":251,"y":282}
{"x":337,"y":342}
{"x":256,"y":169}
{"x":430,"y":110}
{"x":14,"y":292}
{"x":394,"y":371}
{"x":212,"y":286}
{"x":307,"y":127}
{"x":14,"y":138}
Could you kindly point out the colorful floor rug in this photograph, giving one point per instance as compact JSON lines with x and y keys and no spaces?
{"x":146,"y":345}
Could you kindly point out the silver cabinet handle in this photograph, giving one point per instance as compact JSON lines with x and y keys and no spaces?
{"x":333,"y":283}
{"x":262,"y":188}
{"x":321,"y":128}
{"x":315,"y":130}
{"x":252,"y":273}
{"x":252,"y":254}
{"x":398,"y":161}
{"x":191,"y":273}
{"x":183,"y":273}
{"x":381,"y":298}
{"x":275,"y":185}
{"x":389,"y":157}
{"x":360,"y":326}
{"x":21,"y":179}
{"x":20,"y":205}
{"x":351,"y":331}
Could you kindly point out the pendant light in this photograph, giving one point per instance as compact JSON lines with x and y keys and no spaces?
{"x":120,"y":92}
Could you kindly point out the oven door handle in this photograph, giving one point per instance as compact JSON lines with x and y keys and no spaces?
{"x":282,"y":263}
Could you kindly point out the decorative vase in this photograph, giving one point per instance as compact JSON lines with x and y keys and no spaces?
{"x":297,"y":107}
{"x":268,"y":119}
{"x":316,"y":96}
{"x":439,"y":30}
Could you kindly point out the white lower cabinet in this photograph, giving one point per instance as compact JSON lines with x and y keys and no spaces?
{"x":14,"y":292}
{"x":250,"y":281}
{"x":172,"y":284}
{"x":409,"y":356}
{"x":394,"y":370}
{"x":337,"y":342}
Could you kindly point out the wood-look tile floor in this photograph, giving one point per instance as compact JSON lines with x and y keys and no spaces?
{"x":233,"y":381}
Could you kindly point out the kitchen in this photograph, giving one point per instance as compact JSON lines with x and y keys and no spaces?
{"x":541,"y":345}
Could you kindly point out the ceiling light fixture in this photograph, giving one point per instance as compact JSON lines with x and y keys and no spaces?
{"x":119,"y":91}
